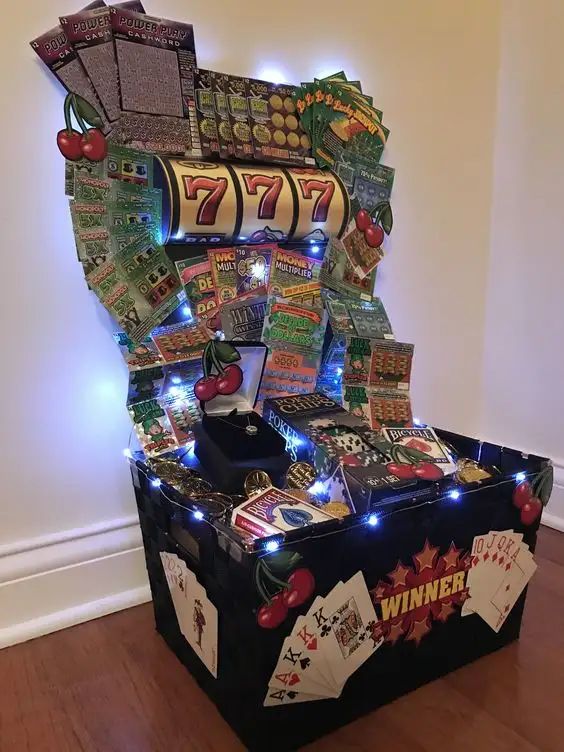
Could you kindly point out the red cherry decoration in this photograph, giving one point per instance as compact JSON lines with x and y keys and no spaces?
{"x":531,"y":511}
{"x":230,"y":380}
{"x":205,"y":389}
{"x":401,"y":470}
{"x":374,"y":236}
{"x":522,"y":494}
{"x":271,"y":615}
{"x":94,"y":145}
{"x":69,"y":143}
{"x":428,"y":471}
{"x":350,"y":459}
{"x":302,"y":585}
{"x":362,"y":220}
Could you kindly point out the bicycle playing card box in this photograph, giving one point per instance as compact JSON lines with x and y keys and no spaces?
{"x":342,"y":448}
{"x":347,"y":615}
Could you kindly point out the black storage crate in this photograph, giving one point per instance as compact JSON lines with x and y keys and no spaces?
{"x":247,"y":653}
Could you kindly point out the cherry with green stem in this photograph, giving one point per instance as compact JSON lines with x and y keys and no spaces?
{"x":229,"y":376}
{"x":91,"y":143}
{"x":68,"y":140}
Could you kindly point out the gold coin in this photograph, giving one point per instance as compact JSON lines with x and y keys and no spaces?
{"x":275,"y":102}
{"x":279,"y":137}
{"x":170,"y":471}
{"x":289,"y":105}
{"x":194,"y":487}
{"x":299,"y":495}
{"x":277,"y":120}
{"x":304,"y":141}
{"x":336,"y":509}
{"x":256,"y":482}
{"x":291,"y":122}
{"x":300,"y":475}
{"x":469,"y":471}
{"x":293,"y":140}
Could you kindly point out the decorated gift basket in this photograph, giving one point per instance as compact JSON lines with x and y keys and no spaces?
{"x":313,"y":550}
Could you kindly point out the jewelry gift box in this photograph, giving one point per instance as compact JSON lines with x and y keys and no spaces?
{"x":232,"y":439}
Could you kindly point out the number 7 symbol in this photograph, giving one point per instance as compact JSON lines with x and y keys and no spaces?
{"x":215,"y":188}
{"x":325,"y":189}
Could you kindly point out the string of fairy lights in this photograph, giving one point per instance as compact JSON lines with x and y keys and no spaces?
{"x":272,"y":544}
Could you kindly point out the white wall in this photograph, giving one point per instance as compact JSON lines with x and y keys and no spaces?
{"x":523,"y":392}
{"x":432,"y":67}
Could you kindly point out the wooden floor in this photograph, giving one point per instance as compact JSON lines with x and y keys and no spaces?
{"x":112,"y":685}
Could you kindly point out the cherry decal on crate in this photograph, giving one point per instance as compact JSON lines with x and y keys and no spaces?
{"x":531,"y":511}
{"x":271,"y":615}
{"x":522,"y":494}
{"x":301,"y":586}
{"x":530,"y":496}
{"x":293,"y":586}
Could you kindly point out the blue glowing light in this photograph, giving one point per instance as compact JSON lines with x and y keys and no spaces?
{"x":272,"y":546}
{"x":156,"y":482}
{"x":315,"y":249}
{"x":373,"y":520}
{"x":176,"y":380}
{"x":317,"y":489}
{"x":198,"y":514}
{"x":186,"y":312}
{"x":174,"y":391}
{"x":127,"y":453}
{"x":339,"y":371}
{"x":416,"y":422}
{"x":454,"y":494}
{"x":520,"y":477}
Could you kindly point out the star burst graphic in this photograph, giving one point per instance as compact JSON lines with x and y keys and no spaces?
{"x":428,"y":565}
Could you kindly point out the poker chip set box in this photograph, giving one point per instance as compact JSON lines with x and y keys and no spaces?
{"x":313,"y":550}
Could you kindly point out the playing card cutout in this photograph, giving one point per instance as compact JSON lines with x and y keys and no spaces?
{"x":196,"y":614}
{"x":501,"y":567}
{"x":326,"y":646}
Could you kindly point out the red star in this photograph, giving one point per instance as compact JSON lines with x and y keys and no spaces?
{"x":398,"y":576}
{"x":451,"y":557}
{"x":425,"y":559}
{"x":396,"y":631}
{"x":418,"y":630}
{"x":379,"y":591}
{"x":447,"y":609}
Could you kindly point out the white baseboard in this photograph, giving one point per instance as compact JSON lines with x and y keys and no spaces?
{"x":553,"y":515}
{"x":55,"y":581}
